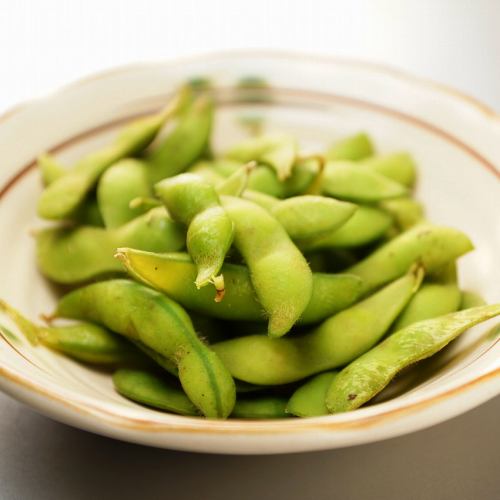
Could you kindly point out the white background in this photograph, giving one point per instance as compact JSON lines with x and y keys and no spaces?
{"x":47,"y":43}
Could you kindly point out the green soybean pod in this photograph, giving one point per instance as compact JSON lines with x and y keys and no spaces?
{"x":440,"y":295}
{"x":470,"y":299}
{"x":365,"y":377}
{"x":121,"y":183}
{"x":61,"y":198}
{"x":195,"y":203}
{"x":367,"y":224}
{"x":406,"y":212}
{"x":433,"y":246}
{"x":76,"y":254}
{"x":236,"y":183}
{"x":279,"y":272}
{"x":261,"y":360}
{"x":400,"y":167}
{"x":148,"y":389}
{"x":83,"y":341}
{"x":309,"y":399}
{"x":354,"y":148}
{"x":204,"y":169}
{"x":186,"y":143}
{"x":308,"y":216}
{"x":140,"y":313}
{"x":50,"y":168}
{"x":260,"y":407}
{"x":174,"y":275}
{"x":279,"y":151}
{"x":345,"y":180}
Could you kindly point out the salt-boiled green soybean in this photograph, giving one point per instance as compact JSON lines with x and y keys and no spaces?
{"x":309,"y":400}
{"x":279,"y":272}
{"x":174,"y":274}
{"x":338,"y":340}
{"x":149,"y":389}
{"x":355,"y":147}
{"x":399,"y":167}
{"x":470,"y":299}
{"x":76,"y":254}
{"x":81,"y":341}
{"x":140,"y":313}
{"x":365,"y":377}
{"x":195,"y":203}
{"x":433,"y":246}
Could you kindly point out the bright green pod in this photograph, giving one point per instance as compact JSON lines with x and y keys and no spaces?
{"x":354,"y":148}
{"x":308,"y":216}
{"x":174,"y":275}
{"x":309,"y":399}
{"x":368,"y":224}
{"x":195,"y":203}
{"x":260,"y":407}
{"x":437,"y":296}
{"x":118,"y":186}
{"x":50,"y":168}
{"x":140,"y":313}
{"x":279,"y":272}
{"x":345,"y":180}
{"x":305,"y":216}
{"x":76,"y":254}
{"x":400,"y":167}
{"x":61,"y":198}
{"x":279,"y":151}
{"x":335,"y":342}
{"x":432,"y":246}
{"x":470,"y":299}
{"x":186,"y":143}
{"x":148,"y":389}
{"x":236,"y":183}
{"x":204,"y":169}
{"x":365,"y":377}
{"x":82,"y":341}
{"x":406,"y":212}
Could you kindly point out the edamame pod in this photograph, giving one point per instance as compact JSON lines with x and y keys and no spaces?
{"x":279,"y":272}
{"x":399,"y":167}
{"x":260,"y":407}
{"x":367,"y":225}
{"x":470,"y":299}
{"x":186,"y":143}
{"x":365,"y":377}
{"x":440,"y":295}
{"x":75,"y":254}
{"x":406,"y":212}
{"x":308,"y":216}
{"x":83,"y":341}
{"x":151,"y":390}
{"x":174,"y":275}
{"x":64,"y":195}
{"x":356,"y":147}
{"x":433,"y":246}
{"x":345,"y":180}
{"x":118,"y":186}
{"x":338,"y":340}
{"x":143,"y":314}
{"x":236,"y":183}
{"x":309,"y":399}
{"x":279,"y":151}
{"x":194,"y":202}
{"x":50,"y":168}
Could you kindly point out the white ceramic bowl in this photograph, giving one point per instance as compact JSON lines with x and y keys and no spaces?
{"x":455,"y":141}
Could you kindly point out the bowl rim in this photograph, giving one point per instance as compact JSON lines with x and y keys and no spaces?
{"x":361,"y":418}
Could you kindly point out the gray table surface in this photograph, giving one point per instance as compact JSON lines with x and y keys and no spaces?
{"x":42,"y":459}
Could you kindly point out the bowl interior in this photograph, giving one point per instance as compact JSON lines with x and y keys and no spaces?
{"x":457,"y":187}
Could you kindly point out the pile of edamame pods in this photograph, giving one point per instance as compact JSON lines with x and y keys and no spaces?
{"x":254,"y":282}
